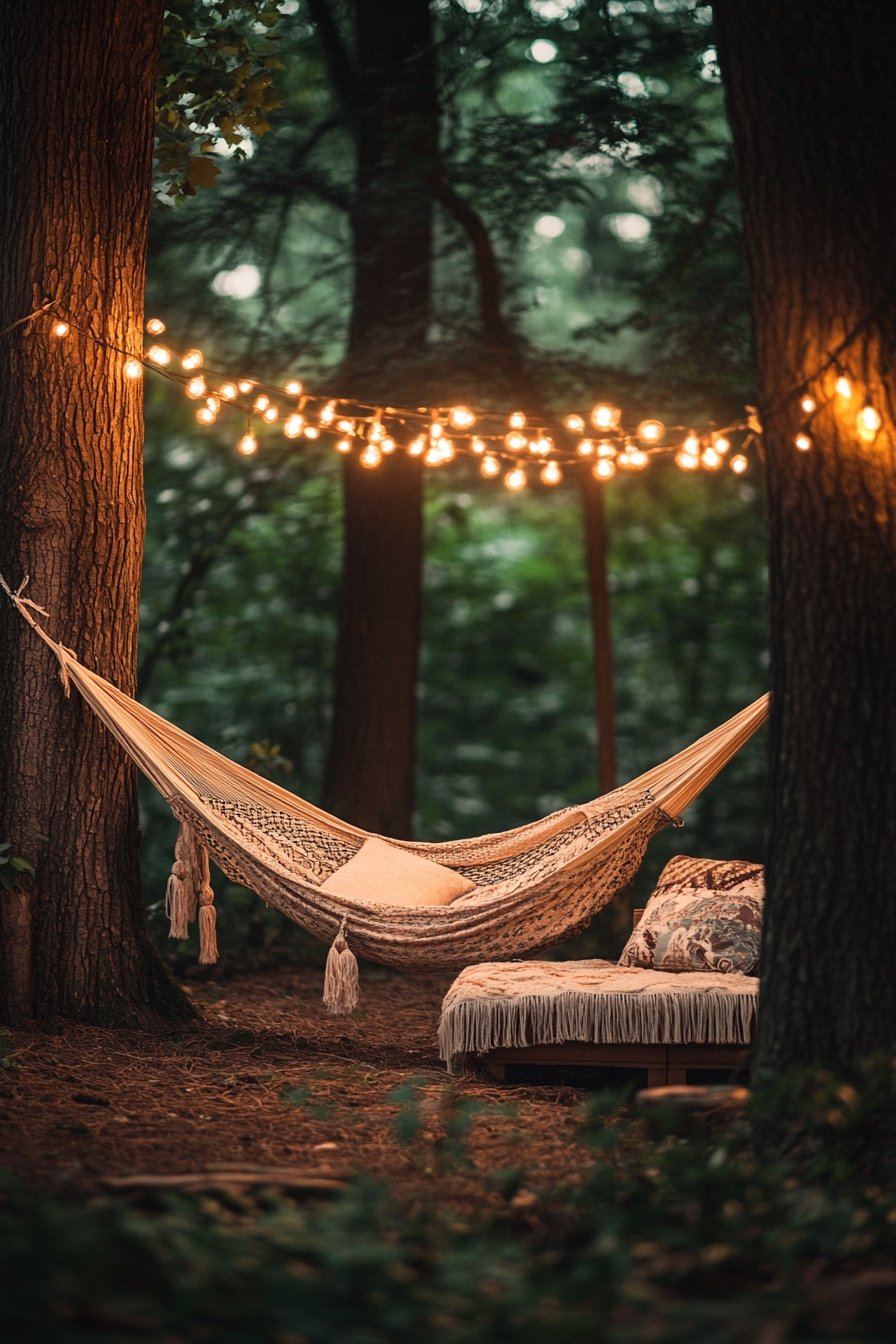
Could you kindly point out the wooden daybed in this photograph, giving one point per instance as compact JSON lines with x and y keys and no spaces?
{"x":597,"y":1013}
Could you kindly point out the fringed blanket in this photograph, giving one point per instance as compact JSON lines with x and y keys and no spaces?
{"x":501,"y":1005}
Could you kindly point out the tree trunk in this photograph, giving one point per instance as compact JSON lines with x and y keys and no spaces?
{"x":77,"y":93}
{"x":810,"y":99}
{"x":369,"y":773}
{"x":595,"y":525}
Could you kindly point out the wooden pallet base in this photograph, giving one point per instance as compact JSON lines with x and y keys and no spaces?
{"x":665,"y":1065}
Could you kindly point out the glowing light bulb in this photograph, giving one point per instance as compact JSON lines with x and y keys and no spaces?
{"x":293,"y":388}
{"x":262,"y":402}
{"x":248,"y":444}
{"x":585,"y":447}
{"x":435,"y":430}
{"x":227,"y":391}
{"x":388,"y":445}
{"x":133,"y":368}
{"x":61,"y":329}
{"x":155,"y":326}
{"x":371,"y":456}
{"x":638,"y":459}
{"x":344,"y":446}
{"x":192,"y":360}
{"x":606,"y":449}
{"x":541,"y":446}
{"x":461,"y":417}
{"x":802,"y":441}
{"x":311,"y":432}
{"x":517,"y":420}
{"x":574,"y":423}
{"x":269,"y":414}
{"x":491,"y":467}
{"x":433,"y":456}
{"x":328,"y":414}
{"x":417,"y":447}
{"x":345,"y":426}
{"x":205,"y":415}
{"x":738,"y":464}
{"x":710,"y":459}
{"x":516,"y":441}
{"x":245,"y":385}
{"x":651,"y":431}
{"x":807,"y":404}
{"x":605,"y":415}
{"x":604,"y":469}
{"x":843,"y":387}
{"x":515,"y":479}
{"x":687,"y":461}
{"x":868,"y":422}
{"x":691,"y":445}
{"x":293,"y":425}
{"x":720,"y":443}
{"x":551,"y":474}
{"x":477,"y":445}
{"x":623,"y":459}
{"x":376,"y":433}
{"x":196,"y":387}
{"x":447,"y":450}
{"x":213,"y":404}
{"x":159,"y":354}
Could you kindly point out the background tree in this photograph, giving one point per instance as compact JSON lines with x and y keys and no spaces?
{"x":809,"y":93}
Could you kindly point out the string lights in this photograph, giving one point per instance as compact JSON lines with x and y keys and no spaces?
{"x":516,"y":447}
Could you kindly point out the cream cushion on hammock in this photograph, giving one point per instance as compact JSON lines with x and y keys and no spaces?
{"x":380,"y":872}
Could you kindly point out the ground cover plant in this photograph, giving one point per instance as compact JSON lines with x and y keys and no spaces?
{"x":469,"y":1212}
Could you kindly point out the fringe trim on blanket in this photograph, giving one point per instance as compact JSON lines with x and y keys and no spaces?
{"x":717,"y":1017}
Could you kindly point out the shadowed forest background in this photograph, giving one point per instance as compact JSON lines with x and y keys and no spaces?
{"x":590,"y":147}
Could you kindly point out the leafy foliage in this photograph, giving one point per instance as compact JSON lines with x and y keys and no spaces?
{"x":216,"y":88}
{"x":653,"y":1239}
{"x":13,"y":867}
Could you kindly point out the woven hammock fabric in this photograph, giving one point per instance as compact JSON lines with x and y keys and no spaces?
{"x":535,"y":885}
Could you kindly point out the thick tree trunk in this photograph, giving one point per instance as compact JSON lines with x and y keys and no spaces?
{"x":810,"y":97}
{"x":369,"y":773}
{"x":77,"y":92}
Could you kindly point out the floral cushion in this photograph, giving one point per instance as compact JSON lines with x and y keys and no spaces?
{"x":703,"y":915}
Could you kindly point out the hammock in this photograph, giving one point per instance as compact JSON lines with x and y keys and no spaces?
{"x":534,"y":885}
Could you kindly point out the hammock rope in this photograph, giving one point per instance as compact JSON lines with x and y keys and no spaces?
{"x":534,"y":885}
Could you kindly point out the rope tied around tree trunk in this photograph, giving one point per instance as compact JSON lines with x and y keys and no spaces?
{"x":22,"y":605}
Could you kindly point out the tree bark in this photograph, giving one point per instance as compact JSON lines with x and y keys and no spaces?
{"x":369,"y":772}
{"x":77,"y":94}
{"x":810,"y":99}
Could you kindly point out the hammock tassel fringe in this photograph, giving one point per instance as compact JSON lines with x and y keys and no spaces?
{"x":342,"y":985}
{"x":189,"y":894}
{"x":182,"y":892}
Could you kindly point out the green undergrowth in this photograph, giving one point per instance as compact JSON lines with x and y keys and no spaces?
{"x":656,"y":1236}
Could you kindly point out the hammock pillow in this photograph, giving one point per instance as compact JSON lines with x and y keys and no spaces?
{"x":381,"y":872}
{"x":703,"y":915}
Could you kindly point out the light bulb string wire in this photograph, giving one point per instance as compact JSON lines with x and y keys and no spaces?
{"x":364,"y":415}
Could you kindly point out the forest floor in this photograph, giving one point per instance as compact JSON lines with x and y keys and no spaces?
{"x":265,"y":1077}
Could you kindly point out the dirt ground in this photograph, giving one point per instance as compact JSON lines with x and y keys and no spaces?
{"x":265,"y":1077}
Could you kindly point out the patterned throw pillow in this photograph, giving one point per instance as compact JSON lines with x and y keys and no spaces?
{"x":703,"y":915}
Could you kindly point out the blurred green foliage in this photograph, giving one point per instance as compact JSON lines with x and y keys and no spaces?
{"x":654,"y":1238}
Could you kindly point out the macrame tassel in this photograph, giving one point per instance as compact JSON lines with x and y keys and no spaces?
{"x":181,"y":894}
{"x":342,"y":988}
{"x":208,"y":919}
